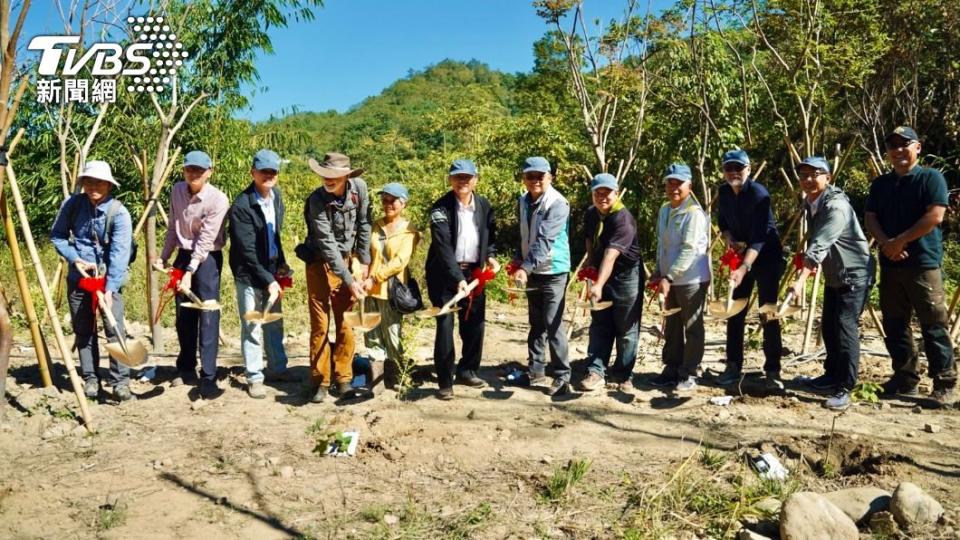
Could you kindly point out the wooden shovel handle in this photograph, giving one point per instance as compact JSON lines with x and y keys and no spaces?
{"x":786,"y":303}
{"x":461,"y":295}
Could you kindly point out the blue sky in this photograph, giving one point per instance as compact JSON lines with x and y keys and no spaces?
{"x":356,"y":48}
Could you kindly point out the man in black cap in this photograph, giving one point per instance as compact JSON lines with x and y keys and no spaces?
{"x":904,"y":211}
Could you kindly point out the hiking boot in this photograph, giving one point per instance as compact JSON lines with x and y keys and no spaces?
{"x":446,"y":394}
{"x":688,"y":384}
{"x":823,"y":383}
{"x":122,"y":393}
{"x":470,"y":380}
{"x":344,"y":388}
{"x":839,"y":401}
{"x":664,"y":380}
{"x":317,"y":394}
{"x":537,"y":378}
{"x":256,"y":390}
{"x":91,"y":388}
{"x":282,"y":377}
{"x":731,"y":375}
{"x":209,"y":389}
{"x":592,"y":382}
{"x":941,"y":398}
{"x":894,"y":388}
{"x":559,"y":387}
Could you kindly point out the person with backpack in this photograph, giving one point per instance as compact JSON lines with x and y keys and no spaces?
{"x":338,"y":237}
{"x":259,"y":266}
{"x":393,"y":242}
{"x":197,"y":219}
{"x":94,"y":233}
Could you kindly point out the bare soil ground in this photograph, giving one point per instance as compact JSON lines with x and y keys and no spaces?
{"x":499,"y":462}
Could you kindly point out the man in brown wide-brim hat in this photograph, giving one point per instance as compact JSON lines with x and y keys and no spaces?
{"x":338,"y":231}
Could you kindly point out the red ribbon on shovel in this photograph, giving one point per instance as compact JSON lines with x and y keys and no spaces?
{"x":482,"y":276}
{"x":731,"y":259}
{"x":92,"y":285}
{"x":798,"y":263}
{"x":588,"y":273}
{"x":172,"y":285}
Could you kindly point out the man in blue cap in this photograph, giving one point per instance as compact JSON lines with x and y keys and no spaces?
{"x":544,"y":264}
{"x":838,"y":247}
{"x":257,"y":262}
{"x":613,"y":254}
{"x":745,"y":218}
{"x":462,"y":244}
{"x":682,"y":275}
{"x":903,"y":214}
{"x":196,"y":229}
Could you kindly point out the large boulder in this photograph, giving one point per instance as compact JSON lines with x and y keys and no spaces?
{"x":912,"y":507}
{"x":809,"y":516}
{"x":860,"y":503}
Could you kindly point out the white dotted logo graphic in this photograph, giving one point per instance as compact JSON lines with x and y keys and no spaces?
{"x":165,"y":54}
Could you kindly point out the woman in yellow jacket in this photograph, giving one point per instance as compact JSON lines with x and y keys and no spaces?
{"x":392,"y":242}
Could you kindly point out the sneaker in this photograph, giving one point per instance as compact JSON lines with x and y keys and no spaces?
{"x":344,"y":388}
{"x":687,"y":384}
{"x":91,"y":388}
{"x":209,"y":389}
{"x":773,"y":381}
{"x":282,"y":377}
{"x":318,"y":394}
{"x":256,"y":390}
{"x":592,"y":382}
{"x":122,"y":393}
{"x":470,"y":380}
{"x":839,"y":401}
{"x":941,"y":398}
{"x":446,"y":394}
{"x":664,"y":380}
{"x":626,"y":386}
{"x":559,"y":387}
{"x":731,"y":375}
{"x":823,"y":383}
{"x":894,"y":388}
{"x":184,"y":378}
{"x":537,"y":378}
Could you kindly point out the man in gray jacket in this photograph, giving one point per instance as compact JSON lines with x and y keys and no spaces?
{"x":338,"y":231}
{"x":543,"y":263}
{"x":838,"y":246}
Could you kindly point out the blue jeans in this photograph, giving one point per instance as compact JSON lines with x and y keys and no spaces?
{"x":618,"y":324}
{"x":840,"y":326}
{"x":256,"y":337}
{"x":767,"y":276}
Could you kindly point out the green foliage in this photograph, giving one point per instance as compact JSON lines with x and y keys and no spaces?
{"x":110,"y":515}
{"x":867,"y":392}
{"x":558,"y":487}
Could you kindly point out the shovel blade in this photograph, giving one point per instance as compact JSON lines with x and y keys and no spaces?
{"x":367,"y":322}
{"x":595,"y":306}
{"x":435,"y":312}
{"x":206,"y":305}
{"x":259,"y":317}
{"x":720,"y":310}
{"x":135,"y":354}
{"x":669,"y":312}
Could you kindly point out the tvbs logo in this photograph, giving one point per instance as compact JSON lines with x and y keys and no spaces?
{"x":152,"y":59}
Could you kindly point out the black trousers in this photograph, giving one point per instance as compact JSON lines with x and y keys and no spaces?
{"x":767,"y":278}
{"x":195,"y":326}
{"x":840,"y":325}
{"x":471,"y":333}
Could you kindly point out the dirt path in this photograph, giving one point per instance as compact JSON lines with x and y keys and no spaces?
{"x":169,"y":466}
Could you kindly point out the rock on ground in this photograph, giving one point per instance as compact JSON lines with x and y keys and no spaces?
{"x":809,"y":516}
{"x":912,"y":507}
{"x":860,"y":503}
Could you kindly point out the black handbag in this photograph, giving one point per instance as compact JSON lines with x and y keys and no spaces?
{"x":404,"y":298}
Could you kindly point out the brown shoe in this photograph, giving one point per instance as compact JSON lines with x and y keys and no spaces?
{"x":446,"y":394}
{"x":592,"y":381}
{"x":470,"y":380}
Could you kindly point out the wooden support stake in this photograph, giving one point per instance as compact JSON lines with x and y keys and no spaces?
{"x":811,"y":313}
{"x":65,"y":351}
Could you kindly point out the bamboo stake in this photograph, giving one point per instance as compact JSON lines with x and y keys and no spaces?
{"x":811,"y":313}
{"x":152,"y":198}
{"x":65,"y":351}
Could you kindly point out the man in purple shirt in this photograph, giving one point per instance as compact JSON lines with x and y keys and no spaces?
{"x":196,"y":229}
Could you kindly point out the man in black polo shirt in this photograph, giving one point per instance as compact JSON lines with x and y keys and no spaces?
{"x":746,"y":222}
{"x":903,"y":213}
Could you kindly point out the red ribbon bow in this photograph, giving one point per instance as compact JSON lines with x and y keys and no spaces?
{"x":731,"y":259}
{"x":173,"y":284}
{"x":798,"y":263}
{"x":93,"y":285}
{"x":482,"y":276}
{"x":285,"y":282}
{"x":653,"y":285}
{"x":588,"y":273}
{"x":512,"y":267}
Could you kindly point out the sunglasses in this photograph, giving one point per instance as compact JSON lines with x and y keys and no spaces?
{"x":733,"y":167}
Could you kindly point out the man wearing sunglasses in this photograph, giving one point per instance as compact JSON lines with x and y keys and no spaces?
{"x":904,"y":211}
{"x":745,"y":219}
